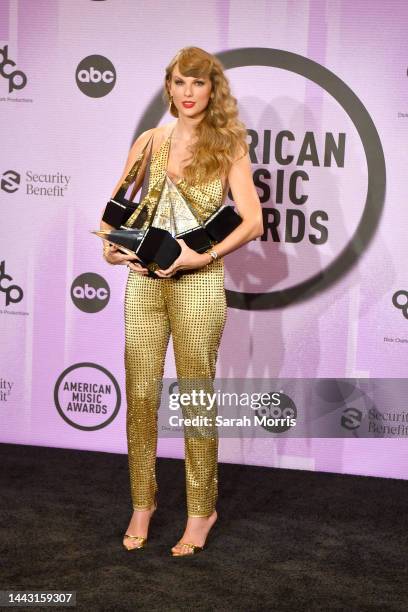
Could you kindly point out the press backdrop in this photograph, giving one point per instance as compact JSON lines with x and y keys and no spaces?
{"x":322,"y":88}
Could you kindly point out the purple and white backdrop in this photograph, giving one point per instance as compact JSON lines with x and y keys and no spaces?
{"x":322,"y":88}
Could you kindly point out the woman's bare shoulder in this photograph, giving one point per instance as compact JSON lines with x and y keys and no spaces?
{"x":159,"y":133}
{"x":143,"y":138}
{"x":239,"y":152}
{"x":166,"y":128}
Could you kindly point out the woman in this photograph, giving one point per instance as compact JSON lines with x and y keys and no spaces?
{"x":197,"y":157}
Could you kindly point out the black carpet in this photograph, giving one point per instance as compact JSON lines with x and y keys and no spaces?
{"x":284,"y":539}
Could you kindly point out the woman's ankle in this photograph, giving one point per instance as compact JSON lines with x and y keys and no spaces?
{"x":145,"y":508}
{"x":213,"y":514}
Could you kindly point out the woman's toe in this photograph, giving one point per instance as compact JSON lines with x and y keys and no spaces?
{"x":179,"y":549}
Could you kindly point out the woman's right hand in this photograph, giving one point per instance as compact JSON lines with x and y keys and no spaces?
{"x":114,"y":256}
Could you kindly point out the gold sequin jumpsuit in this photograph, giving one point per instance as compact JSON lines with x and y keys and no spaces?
{"x":193,"y":309}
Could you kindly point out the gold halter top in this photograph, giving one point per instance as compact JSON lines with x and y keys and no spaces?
{"x":181,"y":206}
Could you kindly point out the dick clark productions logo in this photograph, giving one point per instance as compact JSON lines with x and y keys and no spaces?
{"x":13,"y":292}
{"x":400,"y":300}
{"x":17,"y":79}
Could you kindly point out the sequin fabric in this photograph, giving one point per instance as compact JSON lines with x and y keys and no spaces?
{"x":192,"y":309}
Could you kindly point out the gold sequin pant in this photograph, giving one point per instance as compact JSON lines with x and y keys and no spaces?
{"x":193,"y":310}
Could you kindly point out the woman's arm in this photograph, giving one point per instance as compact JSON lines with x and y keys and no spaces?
{"x":135,"y":150}
{"x":110,"y":251}
{"x":249,"y":207}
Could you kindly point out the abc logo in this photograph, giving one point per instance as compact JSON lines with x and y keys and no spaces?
{"x":282,"y":408}
{"x":95,"y":76}
{"x":90,"y":292}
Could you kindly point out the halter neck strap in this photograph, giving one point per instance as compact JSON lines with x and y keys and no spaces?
{"x":166,"y":160}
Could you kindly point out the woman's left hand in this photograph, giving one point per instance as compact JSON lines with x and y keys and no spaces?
{"x":187,"y":260}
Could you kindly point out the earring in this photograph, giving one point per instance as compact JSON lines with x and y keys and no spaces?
{"x":171,"y":102}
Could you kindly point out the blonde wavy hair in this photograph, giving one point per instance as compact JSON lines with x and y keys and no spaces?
{"x":221,"y":136}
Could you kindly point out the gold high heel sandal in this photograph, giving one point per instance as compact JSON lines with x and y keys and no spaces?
{"x":193,"y":547}
{"x":141,"y":539}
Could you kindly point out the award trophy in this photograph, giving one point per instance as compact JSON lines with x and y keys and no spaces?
{"x":155,"y":245}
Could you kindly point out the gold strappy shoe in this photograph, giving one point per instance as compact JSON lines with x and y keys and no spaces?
{"x":193,"y":547}
{"x":141,"y":539}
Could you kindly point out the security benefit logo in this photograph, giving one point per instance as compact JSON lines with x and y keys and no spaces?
{"x":375,"y":423}
{"x":90,"y":292}
{"x":87,"y":396}
{"x":6,"y":387}
{"x":363,"y":408}
{"x":36,"y":184}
